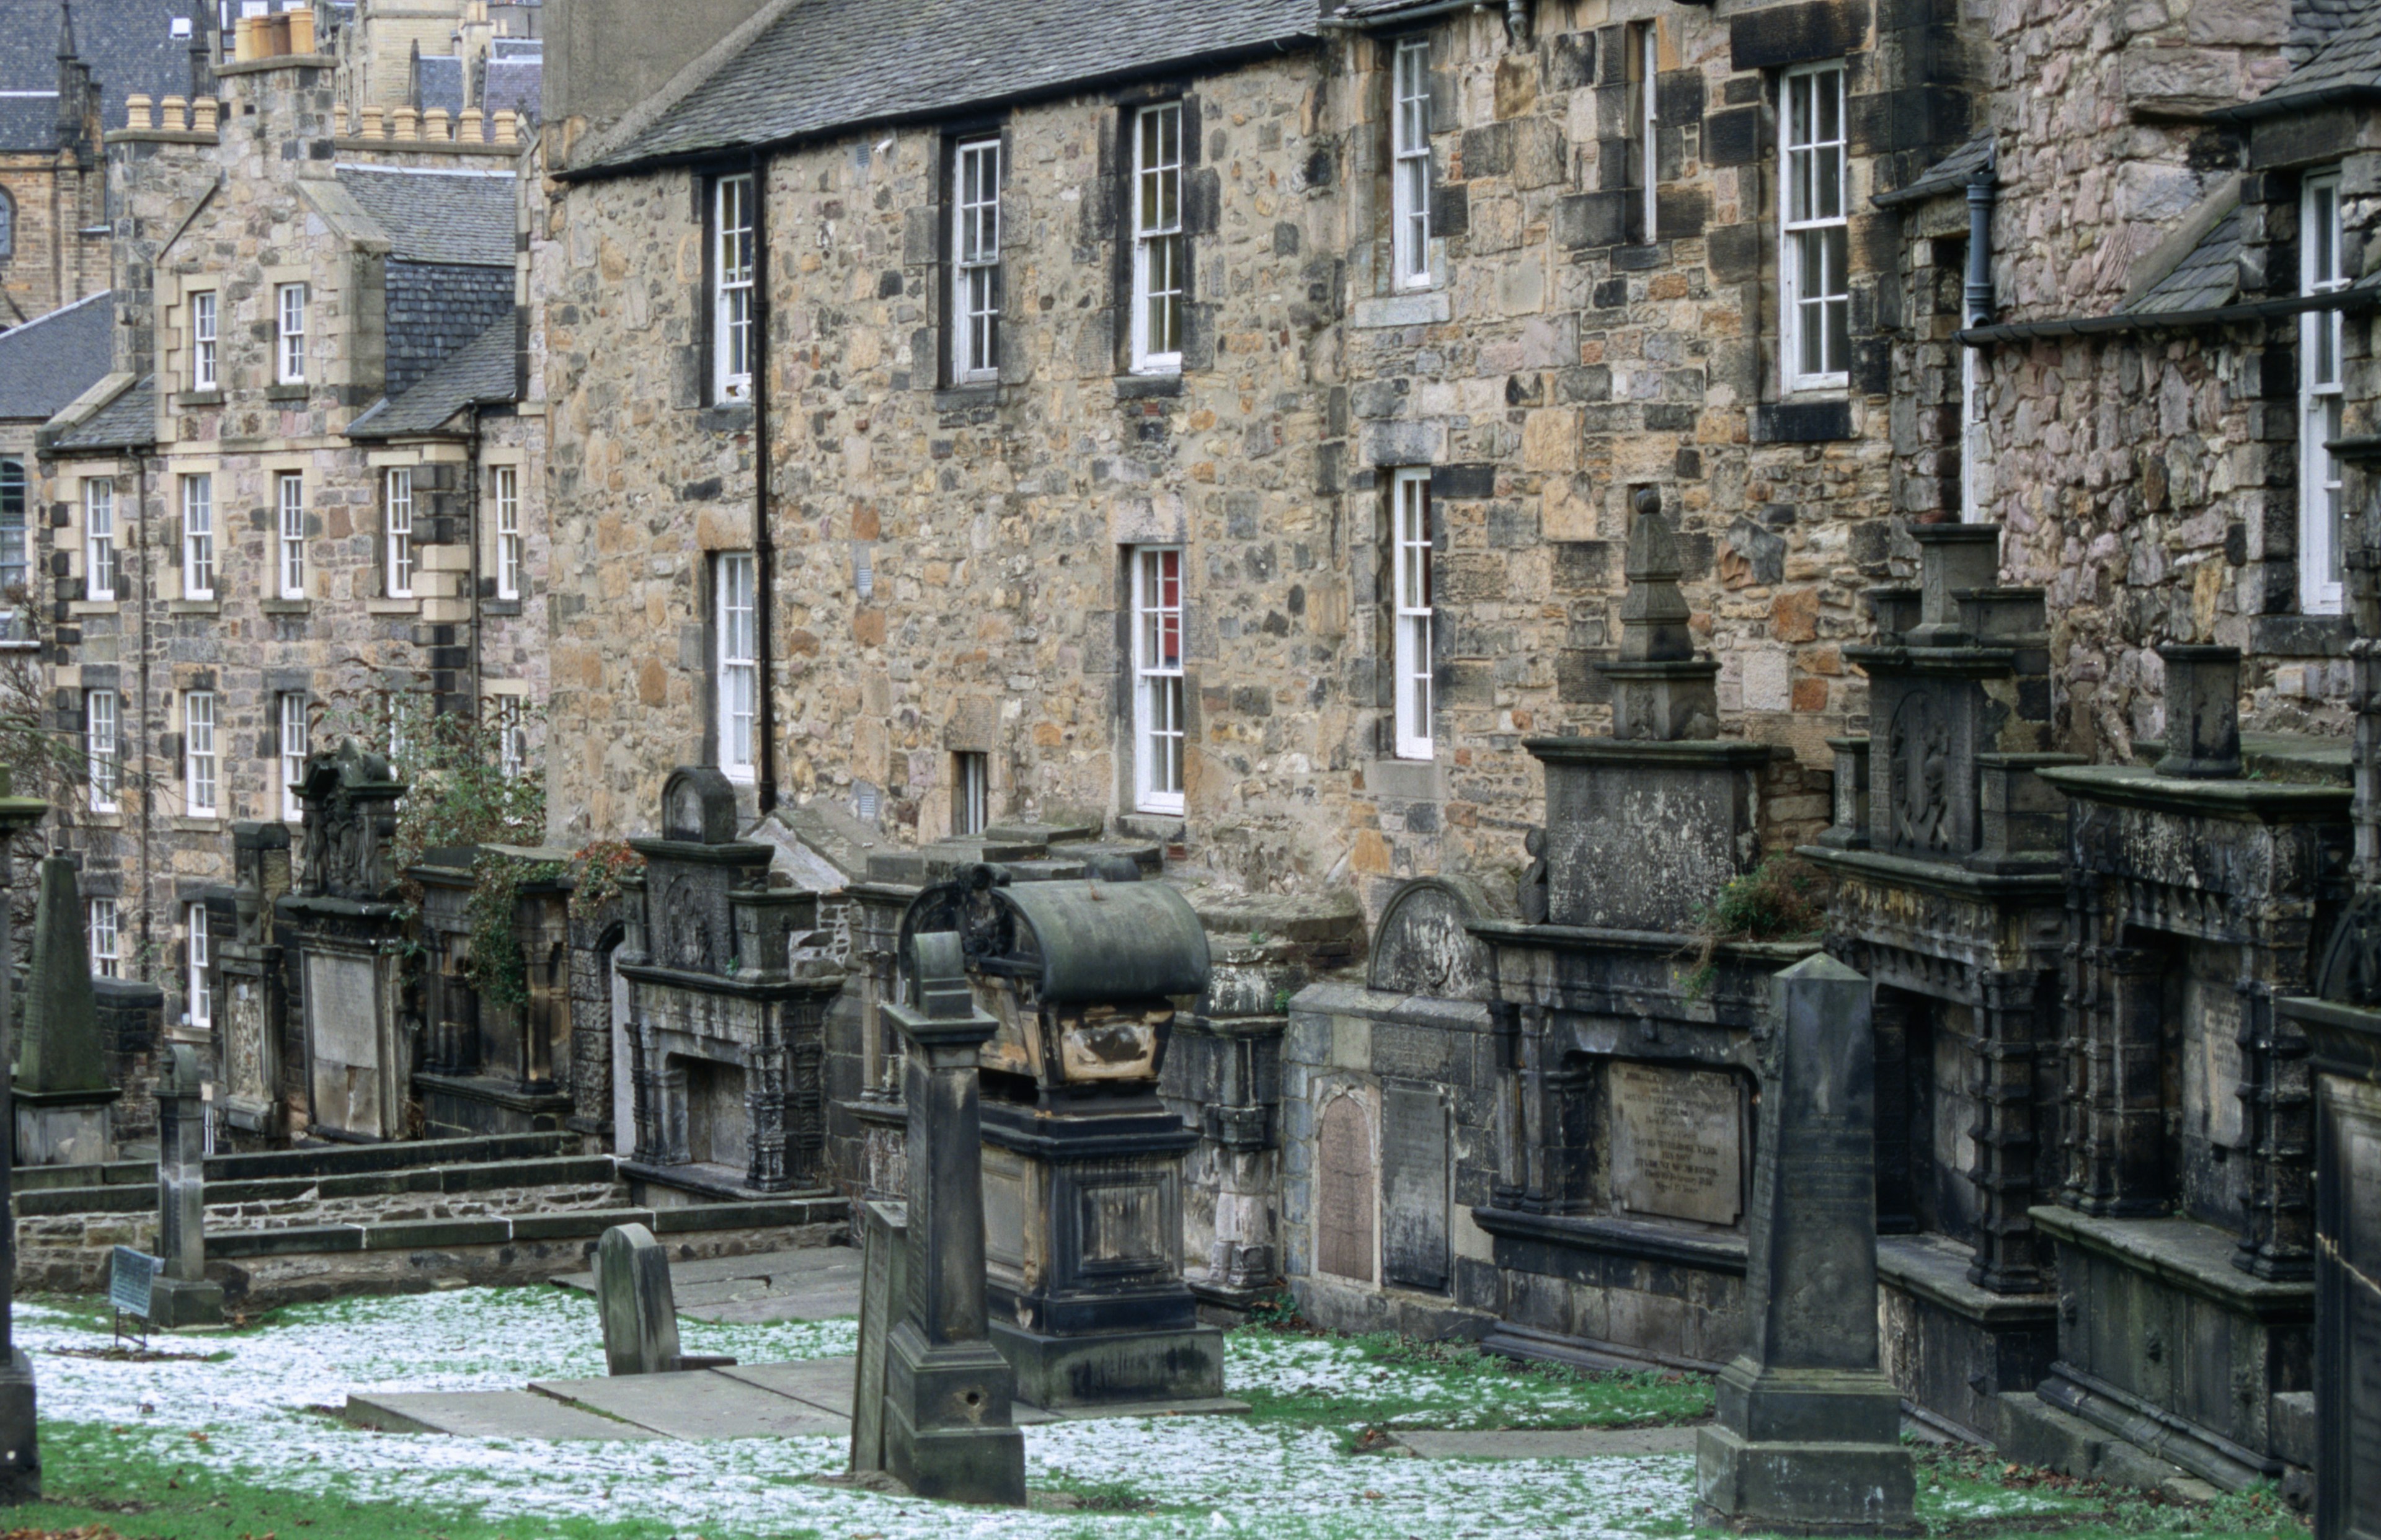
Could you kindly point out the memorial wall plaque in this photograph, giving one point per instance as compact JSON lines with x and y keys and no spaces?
{"x":1678,"y":1142}
{"x":1005,"y":1204}
{"x":343,"y":1028}
{"x":244,"y":1042}
{"x":1413,"y":1189}
{"x":1343,"y":1191}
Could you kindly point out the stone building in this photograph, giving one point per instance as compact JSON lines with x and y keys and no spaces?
{"x":308,"y":498}
{"x":64,"y":77}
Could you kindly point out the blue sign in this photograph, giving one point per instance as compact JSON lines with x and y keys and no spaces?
{"x":130,"y":1275}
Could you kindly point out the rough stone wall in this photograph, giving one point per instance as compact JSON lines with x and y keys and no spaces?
{"x":50,"y":262}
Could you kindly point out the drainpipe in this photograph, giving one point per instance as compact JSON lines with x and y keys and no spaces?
{"x":472,"y":531}
{"x":1984,"y":191}
{"x":764,"y":549}
{"x":148,"y":724}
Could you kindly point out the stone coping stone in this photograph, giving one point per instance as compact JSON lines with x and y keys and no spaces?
{"x":485,"y":1414}
{"x":1193,"y":1406}
{"x":698,"y":1404}
{"x":324,"y":1160}
{"x":2137,"y":786}
{"x":421,"y":1234}
{"x":2184,"y":1254}
{"x":1934,"y":1267}
{"x":805,"y":1283}
{"x":1567,"y":1444}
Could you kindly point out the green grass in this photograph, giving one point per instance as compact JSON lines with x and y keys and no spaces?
{"x":1975,"y":1495}
{"x":92,"y":1476}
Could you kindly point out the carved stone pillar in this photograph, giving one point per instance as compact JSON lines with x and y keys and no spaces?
{"x":2006,"y":1261}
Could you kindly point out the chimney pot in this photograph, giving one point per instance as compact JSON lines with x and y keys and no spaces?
{"x":174,"y":115}
{"x":471,"y":128}
{"x":434,"y":126}
{"x":203,"y":111}
{"x":136,"y":111}
{"x":408,"y":124}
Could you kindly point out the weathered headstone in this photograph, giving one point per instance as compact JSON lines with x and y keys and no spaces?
{"x":182,"y":1297}
{"x":1807,"y":1440}
{"x":947,"y":1392}
{"x":1343,"y":1191}
{"x":1677,"y":1142}
{"x":638,"y":1308}
{"x":884,"y":1293}
{"x":63,"y":1096}
{"x":1414,"y":1188}
{"x":20,"y":1450}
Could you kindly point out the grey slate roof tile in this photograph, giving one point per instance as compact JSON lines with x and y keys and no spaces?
{"x":435,"y":310}
{"x":1948,"y":175}
{"x":830,"y":64}
{"x":129,"y":45}
{"x":130,"y":422}
{"x":49,"y":361}
{"x":2208,"y":275}
{"x":2348,"y":57}
{"x":439,"y":216}
{"x":481,"y":371}
{"x":517,"y":83}
{"x":438,"y":82}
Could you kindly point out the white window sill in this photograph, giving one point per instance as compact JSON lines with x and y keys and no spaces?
{"x":206,"y":606}
{"x":93,"y":607}
{"x":392,"y":606}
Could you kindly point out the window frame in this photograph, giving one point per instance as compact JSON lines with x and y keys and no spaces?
{"x":288,"y":340}
{"x":396,"y":563}
{"x":976,"y":261}
{"x":505,"y":494}
{"x":104,"y":750}
{"x":290,"y":752}
{"x":197,"y":961}
{"x":731,"y":270}
{"x":1160,"y":694}
{"x":971,"y":792}
{"x":736,"y":663}
{"x":1792,"y":280}
{"x":205,"y":323}
{"x":16,"y":546}
{"x":99,"y":539}
{"x":201,"y":760}
{"x":1644,"y":57}
{"x":104,"y":941}
{"x":512,"y":737}
{"x":1410,"y":168}
{"x":2321,"y":394}
{"x":198,"y":505}
{"x":1159,"y":237}
{"x":1412,"y":616}
{"x":290,"y":533}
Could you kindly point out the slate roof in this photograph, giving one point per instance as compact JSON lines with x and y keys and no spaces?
{"x":481,"y":370}
{"x":49,"y":361}
{"x":516,"y":48}
{"x":437,"y":81}
{"x":439,"y":216}
{"x":518,"y":83}
{"x":2208,"y":275}
{"x":129,"y":45}
{"x":129,"y":421}
{"x":826,"y":64}
{"x":435,"y":310}
{"x":2347,"y":62}
{"x":1948,"y":175}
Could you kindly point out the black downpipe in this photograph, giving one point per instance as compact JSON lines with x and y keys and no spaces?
{"x":764,"y":549}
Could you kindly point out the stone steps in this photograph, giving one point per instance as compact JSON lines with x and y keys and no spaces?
{"x":475,"y":1177}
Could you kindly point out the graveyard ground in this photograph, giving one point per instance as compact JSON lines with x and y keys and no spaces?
{"x":233,"y":1435}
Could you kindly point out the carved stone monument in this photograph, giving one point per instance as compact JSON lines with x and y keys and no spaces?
{"x":638,"y":1307}
{"x":947,"y":1392}
{"x":492,"y":1066}
{"x":1082,"y":1164}
{"x":180,"y":1297}
{"x":343,"y":933}
{"x":62,"y":1093}
{"x":251,"y":1003}
{"x":1948,"y":896}
{"x":726,"y":1040}
{"x":1807,"y":1440}
{"x":883,"y":1299}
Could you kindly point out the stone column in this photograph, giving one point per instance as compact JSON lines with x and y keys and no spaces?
{"x":2006,"y":1259}
{"x":948,"y":1391}
{"x":20,"y":1454}
{"x":181,"y":1296}
{"x":1808,"y":1434}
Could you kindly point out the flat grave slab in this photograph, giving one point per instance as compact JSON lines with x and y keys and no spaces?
{"x":484,"y":1414}
{"x":826,"y":1383}
{"x":1567,"y":1444}
{"x":702,"y":1403}
{"x":1196,"y":1406}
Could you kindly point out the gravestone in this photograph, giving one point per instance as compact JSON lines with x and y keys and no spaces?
{"x":248,"y":967}
{"x":884,"y":1292}
{"x":638,"y":1308}
{"x":182,"y":1297}
{"x":21,"y":1449}
{"x":1678,"y":1142}
{"x":63,"y":1097}
{"x":1807,"y":1438}
{"x":347,"y":929}
{"x":1343,"y":1191}
{"x":947,"y":1392}
{"x":1414,"y":1188}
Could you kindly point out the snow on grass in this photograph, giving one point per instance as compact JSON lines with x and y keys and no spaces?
{"x":1207,"y":1475}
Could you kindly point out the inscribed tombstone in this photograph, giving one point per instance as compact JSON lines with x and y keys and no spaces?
{"x":1343,"y":1191}
{"x":1677,"y":1147}
{"x":1413,"y":1189}
{"x":633,"y":1297}
{"x":343,"y":1027}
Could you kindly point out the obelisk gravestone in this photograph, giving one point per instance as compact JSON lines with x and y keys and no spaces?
{"x":947,"y":1389}
{"x":1808,"y":1434}
{"x":21,"y":1449}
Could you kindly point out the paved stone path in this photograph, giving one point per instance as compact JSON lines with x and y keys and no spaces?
{"x":808,"y":1283}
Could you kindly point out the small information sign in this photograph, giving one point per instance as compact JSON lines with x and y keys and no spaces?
{"x":130,"y":1276}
